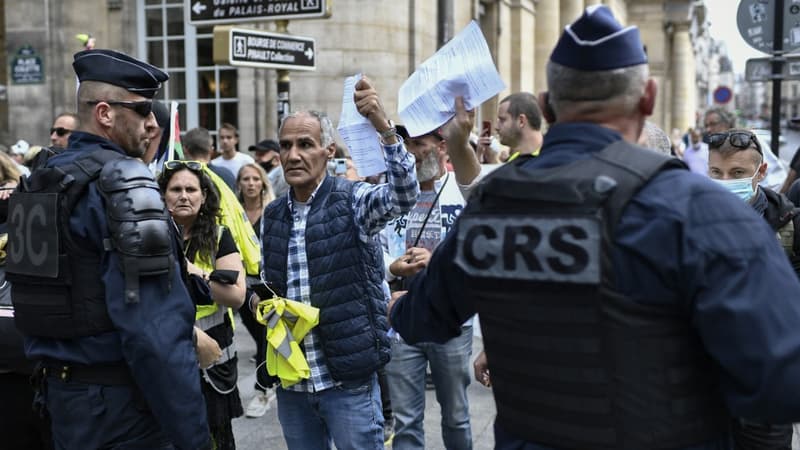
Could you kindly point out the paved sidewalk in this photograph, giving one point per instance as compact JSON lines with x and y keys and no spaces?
{"x":265,"y":432}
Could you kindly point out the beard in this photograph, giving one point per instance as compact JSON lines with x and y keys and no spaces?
{"x":429,"y":168}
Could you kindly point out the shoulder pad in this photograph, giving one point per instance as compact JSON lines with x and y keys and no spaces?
{"x":125,"y":173}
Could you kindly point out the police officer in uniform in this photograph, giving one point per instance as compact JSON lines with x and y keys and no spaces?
{"x":97,"y":288}
{"x":625,"y":302}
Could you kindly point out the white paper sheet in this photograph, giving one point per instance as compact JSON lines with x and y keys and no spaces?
{"x":463,"y":67}
{"x":359,"y":135}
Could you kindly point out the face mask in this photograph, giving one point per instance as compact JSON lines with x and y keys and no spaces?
{"x":267,"y":166}
{"x":741,"y":187}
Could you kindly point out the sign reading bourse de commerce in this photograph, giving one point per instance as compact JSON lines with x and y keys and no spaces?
{"x":27,"y":66}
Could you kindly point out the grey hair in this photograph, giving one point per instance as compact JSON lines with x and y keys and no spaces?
{"x":655,"y":138}
{"x":571,"y":89}
{"x":725,"y":116}
{"x":325,"y":126}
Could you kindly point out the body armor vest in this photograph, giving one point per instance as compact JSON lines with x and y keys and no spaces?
{"x":56,"y":282}
{"x":575,"y":364}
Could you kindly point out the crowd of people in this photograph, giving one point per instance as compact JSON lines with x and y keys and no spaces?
{"x":626,"y":298}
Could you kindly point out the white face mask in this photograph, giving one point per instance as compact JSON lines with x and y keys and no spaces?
{"x":741,"y":187}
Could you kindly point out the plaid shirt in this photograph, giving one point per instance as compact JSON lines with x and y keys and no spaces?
{"x":374,"y":206}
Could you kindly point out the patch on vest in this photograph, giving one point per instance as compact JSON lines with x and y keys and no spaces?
{"x":530,"y":248}
{"x":33,"y":234}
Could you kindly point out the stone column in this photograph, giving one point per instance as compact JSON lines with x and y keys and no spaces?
{"x":523,"y":27}
{"x":570,"y":10}
{"x":547,"y":32}
{"x":684,"y":102}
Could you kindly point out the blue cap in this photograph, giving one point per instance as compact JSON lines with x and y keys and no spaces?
{"x":596,"y":41}
{"x":119,"y":69}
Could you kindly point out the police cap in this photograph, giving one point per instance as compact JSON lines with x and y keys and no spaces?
{"x":596,"y":41}
{"x":119,"y":69}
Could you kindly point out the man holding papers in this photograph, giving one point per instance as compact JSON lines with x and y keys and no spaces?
{"x":319,"y":247}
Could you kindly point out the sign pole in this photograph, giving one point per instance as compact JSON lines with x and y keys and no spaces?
{"x":284,"y":82}
{"x":777,"y":70}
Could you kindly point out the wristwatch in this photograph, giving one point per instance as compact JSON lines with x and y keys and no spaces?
{"x":390,"y":132}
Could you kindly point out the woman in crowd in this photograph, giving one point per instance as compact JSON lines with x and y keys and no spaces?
{"x":255,"y":193}
{"x":216,"y":279}
{"x":9,"y":176}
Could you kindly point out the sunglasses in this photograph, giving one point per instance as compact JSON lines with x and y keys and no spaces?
{"x":60,"y":131}
{"x":143,"y":108}
{"x":738,"y":139}
{"x":176,"y":164}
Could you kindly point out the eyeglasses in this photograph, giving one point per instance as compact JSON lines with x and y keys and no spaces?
{"x":738,"y":139}
{"x":176,"y":164}
{"x":60,"y":131}
{"x":143,"y":108}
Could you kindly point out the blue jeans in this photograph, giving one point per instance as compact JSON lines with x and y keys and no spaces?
{"x":108,"y":417}
{"x":451,"y":375}
{"x":348,"y":415}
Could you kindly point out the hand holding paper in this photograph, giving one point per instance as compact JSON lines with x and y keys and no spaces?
{"x":361,"y":110}
{"x":369,"y":104}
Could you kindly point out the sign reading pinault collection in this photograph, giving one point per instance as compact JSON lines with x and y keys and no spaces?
{"x":254,"y":48}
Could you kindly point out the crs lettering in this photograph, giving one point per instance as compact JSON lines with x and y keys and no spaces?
{"x":535,"y":248}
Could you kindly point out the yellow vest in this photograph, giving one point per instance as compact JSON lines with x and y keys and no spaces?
{"x":233,"y":217}
{"x":287,"y":323}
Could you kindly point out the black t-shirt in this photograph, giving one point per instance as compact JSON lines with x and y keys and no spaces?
{"x":226,"y":246}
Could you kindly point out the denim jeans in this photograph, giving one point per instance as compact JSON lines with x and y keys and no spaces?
{"x":348,"y":415}
{"x":451,"y":375}
{"x":108,"y":417}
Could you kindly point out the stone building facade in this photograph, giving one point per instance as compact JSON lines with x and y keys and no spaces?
{"x":384,"y":39}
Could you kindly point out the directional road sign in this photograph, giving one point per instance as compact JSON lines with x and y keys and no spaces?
{"x":756,"y":23}
{"x":220,"y":12}
{"x":760,"y":69}
{"x":253,"y":48}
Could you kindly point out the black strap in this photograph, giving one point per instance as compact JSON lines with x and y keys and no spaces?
{"x":433,"y":205}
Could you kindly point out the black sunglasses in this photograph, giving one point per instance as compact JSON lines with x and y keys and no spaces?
{"x":60,"y":131}
{"x":738,"y":139}
{"x":143,"y":108}
{"x":177,"y":164}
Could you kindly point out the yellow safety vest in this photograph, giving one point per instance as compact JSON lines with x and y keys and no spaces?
{"x":208,"y":316}
{"x":233,"y":217}
{"x":287,"y":323}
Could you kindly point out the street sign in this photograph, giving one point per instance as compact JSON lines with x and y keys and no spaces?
{"x":760,"y":69}
{"x":220,"y":12}
{"x":756,"y":23}
{"x":723,"y":94}
{"x":254,"y":48}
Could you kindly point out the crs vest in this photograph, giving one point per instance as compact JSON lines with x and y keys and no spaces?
{"x":575,"y":364}
{"x":56,"y":286}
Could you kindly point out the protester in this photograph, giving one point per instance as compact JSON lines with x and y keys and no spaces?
{"x":409,"y":240}
{"x":255,"y":193}
{"x":63,"y":126}
{"x":519,"y":124}
{"x":654,"y":138}
{"x":617,"y":292}
{"x":230,"y":158}
{"x":103,"y":306}
{"x":198,"y":145}
{"x":736,"y":161}
{"x":696,"y":154}
{"x":319,"y":249}
{"x":193,"y":201}
{"x":268,"y":157}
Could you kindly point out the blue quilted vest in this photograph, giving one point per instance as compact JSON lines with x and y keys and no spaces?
{"x":346,"y":275}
